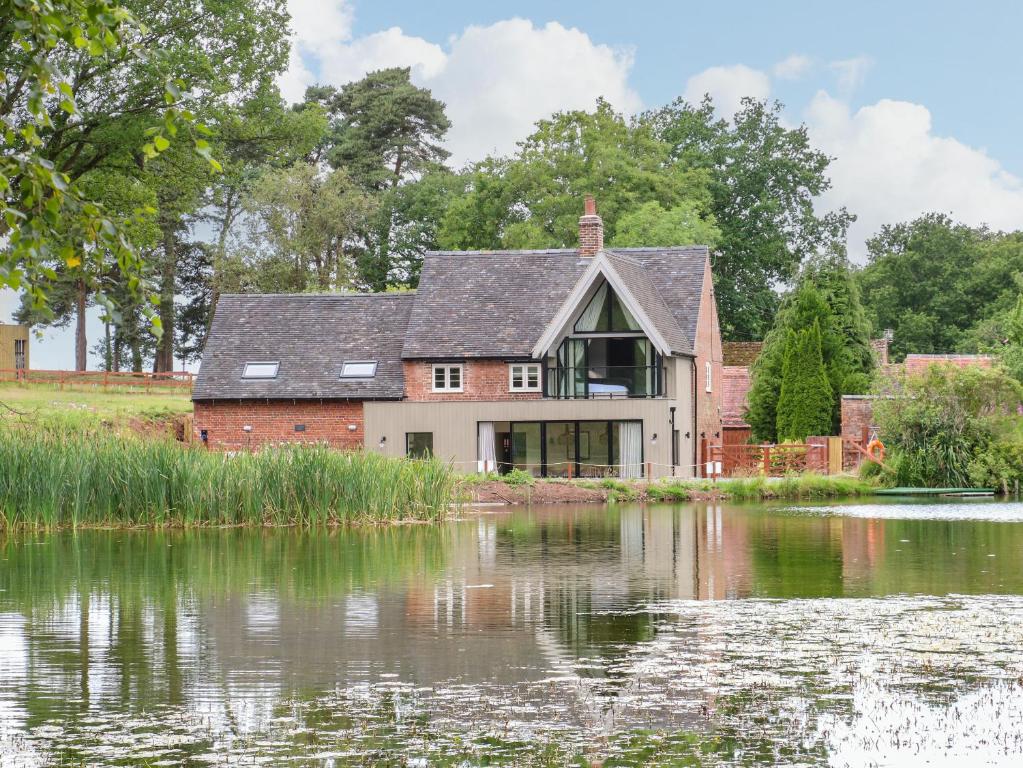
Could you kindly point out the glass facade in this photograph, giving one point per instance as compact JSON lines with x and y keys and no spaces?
{"x":577,"y":448}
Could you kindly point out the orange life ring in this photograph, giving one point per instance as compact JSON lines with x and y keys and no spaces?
{"x":876,"y":450}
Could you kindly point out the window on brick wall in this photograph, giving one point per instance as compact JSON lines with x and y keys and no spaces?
{"x":447,"y":378}
{"x":524,"y":377}
{"x":261,"y":370}
{"x":709,"y":372}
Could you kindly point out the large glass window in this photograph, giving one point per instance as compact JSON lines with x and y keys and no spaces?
{"x":607,"y":367}
{"x":578,"y":448}
{"x":560,"y":442}
{"x":526,"y":447}
{"x":605,"y":313}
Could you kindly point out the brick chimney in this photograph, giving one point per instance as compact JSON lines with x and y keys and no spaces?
{"x":591,"y":229}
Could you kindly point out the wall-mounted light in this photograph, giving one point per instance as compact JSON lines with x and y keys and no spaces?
{"x":383,"y":441}
{"x":653,"y":438}
{"x":352,"y":427}
{"x":687,"y":435}
{"x":247,"y":428}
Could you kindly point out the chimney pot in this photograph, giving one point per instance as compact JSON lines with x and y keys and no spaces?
{"x":591,"y":229}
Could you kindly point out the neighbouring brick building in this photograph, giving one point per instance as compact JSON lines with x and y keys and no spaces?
{"x":563,"y":362}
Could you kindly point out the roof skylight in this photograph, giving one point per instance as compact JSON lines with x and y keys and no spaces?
{"x":261,"y":370}
{"x":358,"y":369}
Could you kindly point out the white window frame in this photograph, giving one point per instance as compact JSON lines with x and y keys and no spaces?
{"x":709,"y":374}
{"x":447,"y":368}
{"x":370,"y":375}
{"x":526,"y":368}
{"x":275,"y":363}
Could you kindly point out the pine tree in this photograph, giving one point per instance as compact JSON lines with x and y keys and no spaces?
{"x":805,"y":401}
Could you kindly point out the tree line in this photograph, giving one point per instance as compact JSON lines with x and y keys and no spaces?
{"x":150,"y":168}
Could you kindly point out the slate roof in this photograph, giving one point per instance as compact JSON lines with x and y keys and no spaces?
{"x":498,"y":303}
{"x":311,"y":335}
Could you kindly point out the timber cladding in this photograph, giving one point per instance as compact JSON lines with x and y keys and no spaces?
{"x":12,"y":338}
{"x":327,"y":422}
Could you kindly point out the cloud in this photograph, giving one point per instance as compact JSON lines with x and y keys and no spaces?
{"x":500,"y":79}
{"x":793,"y":67}
{"x":851,"y":73}
{"x":890,"y":166}
{"x":496,"y":80}
{"x":727,"y":86}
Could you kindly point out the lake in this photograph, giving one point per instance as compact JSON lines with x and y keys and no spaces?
{"x":862,"y":633}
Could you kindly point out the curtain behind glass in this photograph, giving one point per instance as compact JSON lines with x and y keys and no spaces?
{"x":487,"y":459}
{"x":631,"y":447}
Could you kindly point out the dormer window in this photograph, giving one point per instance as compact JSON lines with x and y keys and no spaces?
{"x":261,"y":370}
{"x":359,"y":369}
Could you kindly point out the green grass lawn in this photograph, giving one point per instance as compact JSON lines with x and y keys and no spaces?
{"x":46,"y":406}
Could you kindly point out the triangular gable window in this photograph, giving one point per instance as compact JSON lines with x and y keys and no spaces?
{"x":606,"y":314}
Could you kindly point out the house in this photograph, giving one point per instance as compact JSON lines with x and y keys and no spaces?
{"x":13,"y":349}
{"x":564,"y":363}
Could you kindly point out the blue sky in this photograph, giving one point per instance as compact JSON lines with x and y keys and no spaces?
{"x":960,"y":59}
{"x":918,"y":102}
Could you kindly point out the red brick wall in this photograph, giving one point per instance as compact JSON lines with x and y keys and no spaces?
{"x":708,"y":348}
{"x":857,"y":413}
{"x":482,"y":380}
{"x":274,"y":422}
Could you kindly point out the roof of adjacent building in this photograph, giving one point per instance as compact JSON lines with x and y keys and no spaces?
{"x":735,"y":388}
{"x":741,"y":353}
{"x":919,"y":363}
{"x":473,"y":304}
{"x":310,"y":335}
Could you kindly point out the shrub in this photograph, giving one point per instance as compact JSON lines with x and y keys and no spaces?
{"x":519,"y":477}
{"x":939,"y":423}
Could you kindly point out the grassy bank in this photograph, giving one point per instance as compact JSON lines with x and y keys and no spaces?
{"x":515,"y":490}
{"x":45,"y":406}
{"x":57,"y":479}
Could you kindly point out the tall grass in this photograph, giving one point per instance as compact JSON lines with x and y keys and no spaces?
{"x":801,"y":486}
{"x":56,"y":479}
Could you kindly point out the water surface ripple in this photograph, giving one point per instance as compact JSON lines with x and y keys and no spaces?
{"x":812,"y":635}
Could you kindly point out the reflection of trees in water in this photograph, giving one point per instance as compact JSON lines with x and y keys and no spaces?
{"x":148,"y":621}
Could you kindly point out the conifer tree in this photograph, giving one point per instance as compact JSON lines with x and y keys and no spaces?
{"x":826,"y":294}
{"x":805,"y":401}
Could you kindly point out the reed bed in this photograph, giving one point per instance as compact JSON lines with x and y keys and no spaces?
{"x":802,"y":486}
{"x":53,"y":480}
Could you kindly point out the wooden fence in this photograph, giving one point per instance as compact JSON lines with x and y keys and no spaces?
{"x":105,"y":380}
{"x":822,"y":454}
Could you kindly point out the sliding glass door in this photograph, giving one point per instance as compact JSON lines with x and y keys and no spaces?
{"x":578,"y":448}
